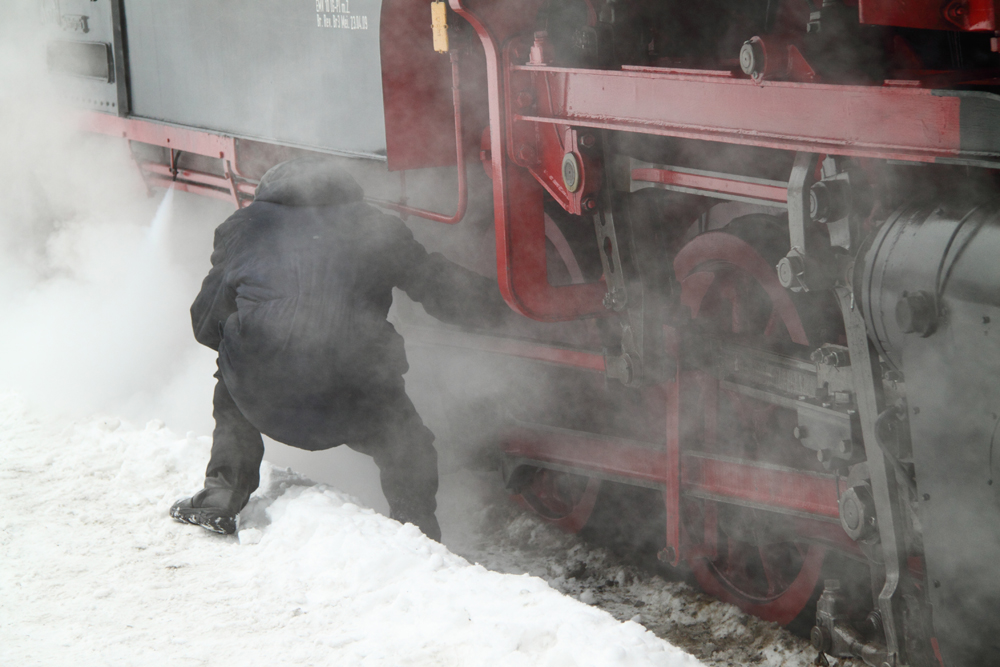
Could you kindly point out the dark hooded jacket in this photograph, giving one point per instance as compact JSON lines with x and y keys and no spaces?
{"x":297,"y":298}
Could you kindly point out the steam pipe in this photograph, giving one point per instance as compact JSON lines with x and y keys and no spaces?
{"x":463,"y":189}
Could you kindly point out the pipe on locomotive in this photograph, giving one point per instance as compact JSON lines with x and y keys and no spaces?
{"x":463,"y":189}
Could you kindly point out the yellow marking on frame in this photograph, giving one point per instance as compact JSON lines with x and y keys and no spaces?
{"x":439,"y":23}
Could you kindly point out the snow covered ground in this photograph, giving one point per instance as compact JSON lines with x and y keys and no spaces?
{"x":92,"y":571}
{"x":504,"y":538}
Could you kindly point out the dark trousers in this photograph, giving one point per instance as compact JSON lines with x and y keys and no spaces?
{"x":398,"y":441}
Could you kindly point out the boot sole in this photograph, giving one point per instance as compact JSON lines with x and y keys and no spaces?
{"x":213,"y":520}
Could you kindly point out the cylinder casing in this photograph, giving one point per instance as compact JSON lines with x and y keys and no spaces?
{"x":942,"y":263}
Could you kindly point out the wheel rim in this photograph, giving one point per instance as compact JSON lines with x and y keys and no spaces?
{"x":727,"y":281}
{"x":721,"y":265}
{"x":773,"y":581}
{"x":561,"y":499}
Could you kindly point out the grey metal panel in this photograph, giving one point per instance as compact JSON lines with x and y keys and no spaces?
{"x":298,"y":72}
{"x":89,"y":24}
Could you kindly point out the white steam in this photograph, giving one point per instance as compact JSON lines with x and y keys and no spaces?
{"x":96,"y":278}
{"x":93,"y":297}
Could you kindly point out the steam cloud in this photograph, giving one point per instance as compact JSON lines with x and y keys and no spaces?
{"x":93,"y":295}
{"x":96,"y":278}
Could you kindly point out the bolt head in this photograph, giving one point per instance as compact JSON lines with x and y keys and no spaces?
{"x":820,"y":639}
{"x":524,"y":99}
{"x":815,"y":206}
{"x":857,"y":513}
{"x":827,"y":201}
{"x":571,"y":172}
{"x":526,"y":153}
{"x":851,"y":515}
{"x":666,"y":555}
{"x":790,"y":269}
{"x":752,"y":58}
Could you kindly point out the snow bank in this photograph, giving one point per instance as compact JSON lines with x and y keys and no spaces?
{"x":93,"y":572}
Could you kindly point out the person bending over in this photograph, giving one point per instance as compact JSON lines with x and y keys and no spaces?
{"x":296,"y":304}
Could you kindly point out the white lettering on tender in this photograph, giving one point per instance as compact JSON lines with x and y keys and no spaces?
{"x":337,"y":14}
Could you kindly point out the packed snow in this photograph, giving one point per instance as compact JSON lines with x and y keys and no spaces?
{"x":93,"y":571}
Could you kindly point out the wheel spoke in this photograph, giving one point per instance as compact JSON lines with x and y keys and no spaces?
{"x":772,"y":571}
{"x":562,"y":499}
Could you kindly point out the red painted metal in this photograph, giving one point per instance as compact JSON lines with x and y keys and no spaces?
{"x":415,"y":94}
{"x":517,"y":198}
{"x":568,"y":512}
{"x":937,"y":651}
{"x":739,"y":482}
{"x":232,"y":186}
{"x":511,"y":347}
{"x":713,"y":247}
{"x":186,"y":180}
{"x":756,"y":484}
{"x":971,"y":15}
{"x":158,"y":134}
{"x":866,"y":121}
{"x":781,"y":608}
{"x":756,"y":577}
{"x":732,"y":481}
{"x":585,"y":452}
{"x":155,"y":180}
{"x":541,"y":149}
{"x":712,"y":184}
{"x":463,"y":188}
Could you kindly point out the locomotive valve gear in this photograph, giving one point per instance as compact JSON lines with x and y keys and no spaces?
{"x":296,"y":304}
{"x":833,"y":633}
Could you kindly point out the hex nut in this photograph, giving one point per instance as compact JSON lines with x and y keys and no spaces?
{"x":790,"y":269}
{"x":571,"y":172}
{"x":752,"y":58}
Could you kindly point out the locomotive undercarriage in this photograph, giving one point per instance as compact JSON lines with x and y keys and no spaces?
{"x":785,"y":434}
{"x":768,"y":397}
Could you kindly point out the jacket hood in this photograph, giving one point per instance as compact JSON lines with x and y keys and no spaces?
{"x":309,"y":181}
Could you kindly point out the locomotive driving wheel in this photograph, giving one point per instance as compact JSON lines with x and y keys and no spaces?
{"x":729,"y":283}
{"x":562,"y":499}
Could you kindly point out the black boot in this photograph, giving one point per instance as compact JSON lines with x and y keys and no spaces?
{"x":425,"y":521}
{"x":214,"y":509}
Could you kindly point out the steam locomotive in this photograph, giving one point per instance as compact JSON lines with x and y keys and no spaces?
{"x":756,"y":245}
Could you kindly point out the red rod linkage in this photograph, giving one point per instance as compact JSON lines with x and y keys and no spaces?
{"x":463,"y":190}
